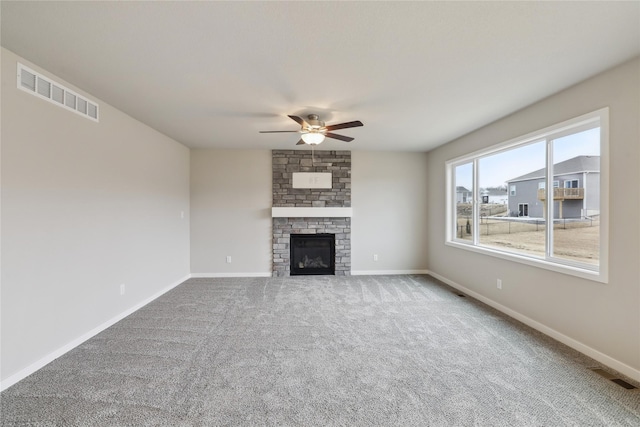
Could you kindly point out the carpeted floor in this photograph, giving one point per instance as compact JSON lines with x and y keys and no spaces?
{"x":319,"y":351}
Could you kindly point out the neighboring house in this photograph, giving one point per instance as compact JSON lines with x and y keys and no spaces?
{"x":495,"y":196}
{"x":576,"y":190}
{"x":463,"y":195}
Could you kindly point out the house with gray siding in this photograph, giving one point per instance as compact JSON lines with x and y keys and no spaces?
{"x":576,"y":190}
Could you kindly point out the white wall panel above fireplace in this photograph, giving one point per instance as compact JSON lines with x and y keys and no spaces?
{"x":304,"y":212}
{"x":311,"y":180}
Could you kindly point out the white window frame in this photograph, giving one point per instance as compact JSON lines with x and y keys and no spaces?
{"x":596,"y":273}
{"x":569,"y":181}
{"x":525,"y":207}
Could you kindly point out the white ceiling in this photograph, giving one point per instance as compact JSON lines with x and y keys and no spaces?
{"x":419,"y":74}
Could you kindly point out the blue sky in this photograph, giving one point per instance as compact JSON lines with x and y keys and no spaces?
{"x":496,"y":169}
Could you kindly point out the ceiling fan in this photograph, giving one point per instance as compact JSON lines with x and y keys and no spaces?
{"x":313,"y":130}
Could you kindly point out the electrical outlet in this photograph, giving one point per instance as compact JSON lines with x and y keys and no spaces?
{"x":375,"y":257}
{"x":122,"y":289}
{"x":228,"y":259}
{"x":499,"y":283}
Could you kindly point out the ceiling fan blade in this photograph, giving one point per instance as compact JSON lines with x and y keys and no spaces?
{"x":353,"y":124}
{"x":300,"y":121}
{"x":301,"y":142}
{"x":278,"y":131}
{"x":340,"y":137}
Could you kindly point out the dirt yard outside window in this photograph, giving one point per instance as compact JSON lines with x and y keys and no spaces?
{"x":574,"y":239}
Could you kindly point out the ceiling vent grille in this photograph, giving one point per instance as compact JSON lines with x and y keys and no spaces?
{"x":43,"y":87}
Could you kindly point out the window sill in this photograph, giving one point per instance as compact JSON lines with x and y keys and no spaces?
{"x":596,"y":276}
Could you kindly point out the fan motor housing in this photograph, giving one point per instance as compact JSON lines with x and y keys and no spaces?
{"x":314,"y":121}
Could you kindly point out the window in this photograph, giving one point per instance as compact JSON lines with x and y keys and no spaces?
{"x":554,"y":214}
{"x":523,"y":209}
{"x":463,"y":181}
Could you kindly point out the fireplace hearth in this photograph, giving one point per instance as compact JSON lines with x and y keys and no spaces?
{"x":312,"y":254}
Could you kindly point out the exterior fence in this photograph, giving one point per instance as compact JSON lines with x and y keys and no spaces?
{"x":494,"y":226}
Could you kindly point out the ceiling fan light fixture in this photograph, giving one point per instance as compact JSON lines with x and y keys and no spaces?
{"x":312,"y":138}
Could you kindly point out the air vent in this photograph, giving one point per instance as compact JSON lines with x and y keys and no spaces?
{"x":57,"y":94}
{"x":611,"y":377}
{"x":44,"y":88}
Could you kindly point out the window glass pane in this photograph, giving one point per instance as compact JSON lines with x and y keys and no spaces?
{"x":576,"y":204}
{"x":463,"y":175}
{"x":512,"y":219}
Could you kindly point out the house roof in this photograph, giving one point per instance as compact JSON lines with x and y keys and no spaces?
{"x":211,"y":74}
{"x":461,"y":189}
{"x":576,"y":164}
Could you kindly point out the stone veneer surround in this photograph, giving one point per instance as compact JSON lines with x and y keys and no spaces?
{"x":283,"y":228}
{"x":284,"y":163}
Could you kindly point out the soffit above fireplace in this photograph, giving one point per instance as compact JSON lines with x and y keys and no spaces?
{"x":305,"y":212}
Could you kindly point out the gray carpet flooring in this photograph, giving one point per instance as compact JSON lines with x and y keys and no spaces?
{"x":319,"y":351}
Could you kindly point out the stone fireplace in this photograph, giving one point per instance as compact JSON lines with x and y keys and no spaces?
{"x":321,"y":205}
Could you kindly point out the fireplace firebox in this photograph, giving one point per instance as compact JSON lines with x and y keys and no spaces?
{"x":312,"y":254}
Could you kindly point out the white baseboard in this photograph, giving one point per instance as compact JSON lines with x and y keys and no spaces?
{"x":268,"y":274}
{"x":386,"y":272}
{"x":25,"y":372}
{"x":219,"y":275}
{"x":605,"y":359}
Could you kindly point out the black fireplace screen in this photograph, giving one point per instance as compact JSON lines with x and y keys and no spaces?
{"x":312,"y":254}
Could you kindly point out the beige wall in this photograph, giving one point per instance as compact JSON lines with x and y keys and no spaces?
{"x":85,"y":207}
{"x":389,"y":201}
{"x":604,"y":318}
{"x":231,"y":212}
